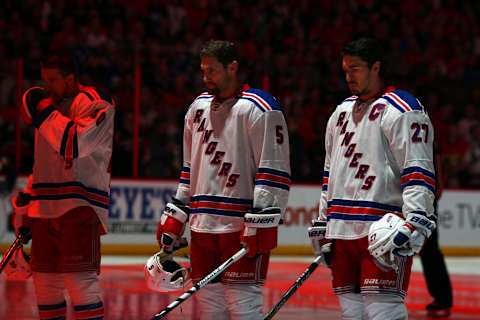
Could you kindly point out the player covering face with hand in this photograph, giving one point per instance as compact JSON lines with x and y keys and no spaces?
{"x":378,"y":189}
{"x":65,"y":204}
{"x":233,"y":186}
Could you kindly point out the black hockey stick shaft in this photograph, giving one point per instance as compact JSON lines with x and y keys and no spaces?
{"x":294,"y":287}
{"x":9,"y":253}
{"x":201,"y":283}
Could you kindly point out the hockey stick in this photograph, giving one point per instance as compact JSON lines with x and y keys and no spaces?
{"x":14,"y":247}
{"x":294,"y":287}
{"x":201,"y":283}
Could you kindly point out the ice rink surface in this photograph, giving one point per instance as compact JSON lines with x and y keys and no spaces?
{"x":127,"y":298}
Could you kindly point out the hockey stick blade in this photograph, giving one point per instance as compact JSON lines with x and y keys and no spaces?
{"x":201,"y":283}
{"x":9,"y":253}
{"x":294,"y":287}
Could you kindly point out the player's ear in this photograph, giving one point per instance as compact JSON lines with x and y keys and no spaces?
{"x":70,"y":78}
{"x":233,"y":67}
{"x":376,"y":67}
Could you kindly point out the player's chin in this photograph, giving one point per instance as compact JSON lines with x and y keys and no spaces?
{"x":353,"y":88}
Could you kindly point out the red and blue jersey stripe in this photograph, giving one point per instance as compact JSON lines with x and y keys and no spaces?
{"x":70,"y":190}
{"x":185,"y":175}
{"x":352,"y":98}
{"x":205,"y":95}
{"x":325,"y":180}
{"x":261,"y":99}
{"x":416,"y":176}
{"x":356,"y":210}
{"x":403,"y":101}
{"x":222,"y":206}
{"x":273,"y":178}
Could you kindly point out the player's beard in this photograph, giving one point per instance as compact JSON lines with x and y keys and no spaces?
{"x":214,"y":91}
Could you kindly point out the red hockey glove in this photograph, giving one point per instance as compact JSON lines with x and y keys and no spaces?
{"x":260,"y":229}
{"x":34,"y":101}
{"x":320,"y":245}
{"x":171,"y":226}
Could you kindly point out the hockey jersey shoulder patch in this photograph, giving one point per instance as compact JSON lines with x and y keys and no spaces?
{"x":261,"y":99}
{"x":403,"y":101}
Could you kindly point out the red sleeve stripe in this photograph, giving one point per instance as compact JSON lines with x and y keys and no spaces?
{"x":273,"y":178}
{"x":417,"y":176}
{"x":185,"y":175}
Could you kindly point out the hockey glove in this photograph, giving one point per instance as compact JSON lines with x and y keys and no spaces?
{"x":260,"y":228}
{"x":172,"y":225}
{"x":320,"y":245}
{"x":21,"y":221}
{"x":34,"y":101}
{"x":409,"y":236}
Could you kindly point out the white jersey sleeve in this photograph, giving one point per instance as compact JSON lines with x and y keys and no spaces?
{"x":410,"y":137}
{"x":322,"y":214}
{"x":183,"y":190}
{"x":89,"y":125}
{"x":271,"y":153}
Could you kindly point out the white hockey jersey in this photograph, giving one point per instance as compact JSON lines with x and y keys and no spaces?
{"x":73,"y":149}
{"x":383,"y":163}
{"x":236,"y":156}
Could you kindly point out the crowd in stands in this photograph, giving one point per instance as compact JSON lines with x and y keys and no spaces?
{"x":296,"y":45}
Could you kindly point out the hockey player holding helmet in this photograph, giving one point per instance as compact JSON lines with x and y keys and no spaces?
{"x":236,"y":172}
{"x":378,"y":191}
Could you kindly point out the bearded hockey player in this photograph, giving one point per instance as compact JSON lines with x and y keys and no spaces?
{"x":233,"y":187}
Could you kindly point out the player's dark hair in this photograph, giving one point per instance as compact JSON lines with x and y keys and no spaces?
{"x":369,"y":50}
{"x":64,"y":63}
{"x":224,"y":51}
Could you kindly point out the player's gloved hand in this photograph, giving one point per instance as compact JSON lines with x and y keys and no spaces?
{"x":21,"y":221}
{"x":410,"y":236}
{"x":320,"y":245}
{"x":172,"y":225}
{"x":260,"y":228}
{"x":34,"y":101}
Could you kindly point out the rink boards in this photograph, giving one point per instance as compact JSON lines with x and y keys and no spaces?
{"x":136,"y":205}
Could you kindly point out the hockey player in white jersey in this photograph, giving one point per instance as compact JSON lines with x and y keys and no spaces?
{"x":378,"y":189}
{"x":66,"y":201}
{"x":235,"y":165}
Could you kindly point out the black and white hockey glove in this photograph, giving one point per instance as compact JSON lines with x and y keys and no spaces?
{"x":410,"y":236}
{"x":320,"y":245}
{"x":392,"y":236}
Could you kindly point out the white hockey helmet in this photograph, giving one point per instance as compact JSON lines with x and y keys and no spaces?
{"x":18,"y":268}
{"x":164,"y":276}
{"x":379,"y":237}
